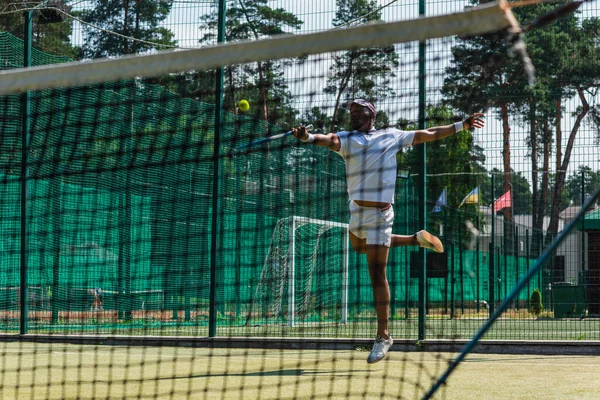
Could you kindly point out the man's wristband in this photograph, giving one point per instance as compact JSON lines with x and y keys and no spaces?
{"x":309,"y":139}
{"x":458,"y":126}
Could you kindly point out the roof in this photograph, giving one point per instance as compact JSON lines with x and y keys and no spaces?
{"x":570,"y":212}
{"x":591,"y":222}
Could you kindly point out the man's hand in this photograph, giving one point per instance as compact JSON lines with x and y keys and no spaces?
{"x":300,"y":133}
{"x":474,"y":121}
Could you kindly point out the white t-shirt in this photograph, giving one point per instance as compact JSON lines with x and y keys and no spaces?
{"x":371,"y":166}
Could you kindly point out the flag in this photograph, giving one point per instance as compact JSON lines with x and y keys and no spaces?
{"x":503,"y":201}
{"x":441,"y":202}
{"x":471,"y":198}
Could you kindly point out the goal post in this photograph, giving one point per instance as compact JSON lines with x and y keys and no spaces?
{"x":304,"y":276}
{"x":294,"y":222}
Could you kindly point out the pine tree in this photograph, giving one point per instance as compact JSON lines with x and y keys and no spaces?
{"x":137,"y":24}
{"x":50,"y":38}
{"x":263,"y":83}
{"x":362,"y":73}
{"x":483,"y":76}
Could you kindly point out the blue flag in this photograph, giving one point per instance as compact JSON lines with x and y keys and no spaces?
{"x":441,"y":202}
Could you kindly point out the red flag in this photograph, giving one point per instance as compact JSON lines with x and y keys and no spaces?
{"x":503,"y":201}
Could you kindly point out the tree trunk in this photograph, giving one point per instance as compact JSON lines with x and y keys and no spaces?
{"x":561,"y":172}
{"x":343,"y":85}
{"x":263,"y":92}
{"x":536,"y":233}
{"x":558,"y":134}
{"x":232,"y":88}
{"x":137,"y":30}
{"x":548,"y":266}
{"x":508,"y":231}
{"x":125,"y":30}
{"x":261,"y":82}
{"x":545,"y":173}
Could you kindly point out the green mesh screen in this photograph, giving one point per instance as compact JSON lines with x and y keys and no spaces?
{"x":146,"y":225}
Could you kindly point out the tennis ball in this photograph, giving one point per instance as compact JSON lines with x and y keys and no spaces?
{"x":244,"y":105}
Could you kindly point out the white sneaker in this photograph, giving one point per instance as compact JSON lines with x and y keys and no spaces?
{"x":428,"y":241}
{"x":380,"y":349}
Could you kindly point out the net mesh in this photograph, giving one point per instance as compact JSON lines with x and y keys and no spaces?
{"x":299,"y":264}
{"x":131,"y":267}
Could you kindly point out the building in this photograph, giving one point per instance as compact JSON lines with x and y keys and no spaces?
{"x":574,"y":253}
{"x":590,"y":228}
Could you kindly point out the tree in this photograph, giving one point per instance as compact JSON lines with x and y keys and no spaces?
{"x":361,"y":73}
{"x":521,"y":192}
{"x":484,"y":77}
{"x":591,"y":180}
{"x":565,"y":54}
{"x":316,"y":117}
{"x":579,"y":60}
{"x":536,"y":307}
{"x":262,"y":84}
{"x":594,"y":120}
{"x":129,"y":19}
{"x":461,"y":170}
{"x":50,"y":38}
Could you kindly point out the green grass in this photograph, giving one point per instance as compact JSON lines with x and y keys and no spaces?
{"x":36,"y":370}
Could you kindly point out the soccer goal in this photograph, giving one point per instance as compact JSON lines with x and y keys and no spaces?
{"x":304,"y":277}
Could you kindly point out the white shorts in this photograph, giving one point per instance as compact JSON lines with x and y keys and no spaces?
{"x":371,"y":223}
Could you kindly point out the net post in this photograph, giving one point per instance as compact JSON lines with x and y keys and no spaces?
{"x":492,"y":254}
{"x":527,"y":258}
{"x":216,"y":203}
{"x":422,"y":152}
{"x":26,"y":127}
{"x":583,"y":259}
{"x":291,"y":271}
{"x":516,"y":250}
{"x":56,"y":206}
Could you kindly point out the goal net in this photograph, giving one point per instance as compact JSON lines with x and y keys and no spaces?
{"x":304,"y":277}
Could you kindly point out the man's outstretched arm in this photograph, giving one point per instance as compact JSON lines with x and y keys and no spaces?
{"x":441,"y":132}
{"x":330,"y":140}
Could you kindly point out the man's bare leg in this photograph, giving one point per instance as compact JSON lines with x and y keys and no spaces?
{"x":360,"y":246}
{"x":404,"y":241}
{"x":419,"y":239}
{"x":377,"y":257}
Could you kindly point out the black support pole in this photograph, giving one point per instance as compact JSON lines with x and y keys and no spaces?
{"x":216,"y":200}
{"x":421,"y":149}
{"x":26,"y":126}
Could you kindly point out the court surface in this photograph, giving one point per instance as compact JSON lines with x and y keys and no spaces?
{"x":66,"y":371}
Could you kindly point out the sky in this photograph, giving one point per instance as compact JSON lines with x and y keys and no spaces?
{"x":307,"y":81}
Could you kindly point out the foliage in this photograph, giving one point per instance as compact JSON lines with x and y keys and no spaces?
{"x":50,"y":38}
{"x":483,"y":76}
{"x":460,"y":170}
{"x":359,"y":73}
{"x":129,"y":18}
{"x":594,"y":121}
{"x":262,"y":83}
{"x":317,"y":118}
{"x":535,"y":304}
{"x":591,"y":180}
{"x":521,"y":191}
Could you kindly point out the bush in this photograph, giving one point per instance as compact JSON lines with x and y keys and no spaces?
{"x":535,"y":304}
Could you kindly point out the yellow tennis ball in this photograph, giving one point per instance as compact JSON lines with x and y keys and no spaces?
{"x":244,"y":105}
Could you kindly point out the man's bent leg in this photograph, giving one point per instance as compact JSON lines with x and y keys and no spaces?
{"x":404,"y":240}
{"x":420,"y":239}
